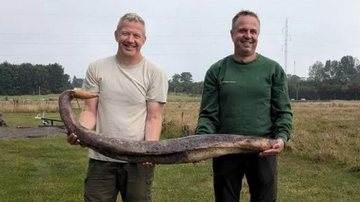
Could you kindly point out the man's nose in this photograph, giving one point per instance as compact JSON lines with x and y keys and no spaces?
{"x":131,"y":38}
{"x":247,"y":34}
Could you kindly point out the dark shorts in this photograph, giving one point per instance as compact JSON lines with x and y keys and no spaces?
{"x":105,"y":180}
{"x":260,"y":172}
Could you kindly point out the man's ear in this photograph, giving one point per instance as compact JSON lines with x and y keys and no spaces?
{"x":115,"y":35}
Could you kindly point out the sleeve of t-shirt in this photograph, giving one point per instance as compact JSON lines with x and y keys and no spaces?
{"x":91,"y":81}
{"x":159,"y":88}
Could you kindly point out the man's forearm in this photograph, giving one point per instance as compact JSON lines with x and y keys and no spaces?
{"x":153,"y":128}
{"x":88,"y":120}
{"x":88,"y":115}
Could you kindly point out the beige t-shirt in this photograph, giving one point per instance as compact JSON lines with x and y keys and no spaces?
{"x":124,"y":91}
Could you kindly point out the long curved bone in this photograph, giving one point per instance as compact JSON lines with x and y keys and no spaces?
{"x":188,"y":149}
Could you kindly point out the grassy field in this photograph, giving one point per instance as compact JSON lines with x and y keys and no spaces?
{"x":321,"y":162}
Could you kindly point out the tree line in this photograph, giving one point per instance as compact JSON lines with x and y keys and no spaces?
{"x":327,"y":81}
{"x":30,"y":79}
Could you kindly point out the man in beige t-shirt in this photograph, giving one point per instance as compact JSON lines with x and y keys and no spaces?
{"x":132,"y":93}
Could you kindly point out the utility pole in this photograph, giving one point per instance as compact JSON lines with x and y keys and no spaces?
{"x":286,"y":46}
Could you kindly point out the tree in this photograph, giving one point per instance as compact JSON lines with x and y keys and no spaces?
{"x":183,"y":83}
{"x":316,"y":72}
{"x":58,"y":81}
{"x":7,"y":81}
{"x":293,"y":86}
{"x":28,"y":79}
{"x":186,"y":77}
{"x":77,"y":82}
{"x":337,"y":79}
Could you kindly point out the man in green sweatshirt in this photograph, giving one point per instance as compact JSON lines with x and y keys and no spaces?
{"x":246,"y":93}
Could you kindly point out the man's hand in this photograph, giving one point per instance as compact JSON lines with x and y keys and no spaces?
{"x":276,"y":148}
{"x":73,"y":139}
{"x":148,"y":164}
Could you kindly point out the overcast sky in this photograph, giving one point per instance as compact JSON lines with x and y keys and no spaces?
{"x":182,"y":35}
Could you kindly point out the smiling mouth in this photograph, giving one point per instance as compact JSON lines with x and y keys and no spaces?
{"x":129,"y":47}
{"x":246,"y":44}
{"x":247,"y":41}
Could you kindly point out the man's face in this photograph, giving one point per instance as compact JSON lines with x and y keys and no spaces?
{"x":130,"y":37}
{"x":245,"y":35}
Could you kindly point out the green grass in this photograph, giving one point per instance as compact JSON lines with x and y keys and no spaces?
{"x":48,"y":169}
{"x":28,"y":119}
{"x":303,"y":179}
{"x":44,"y":169}
{"x":172,"y":97}
{"x":25,"y":119}
{"x":321,"y":162}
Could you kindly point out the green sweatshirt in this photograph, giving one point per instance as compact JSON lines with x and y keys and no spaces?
{"x":246,"y":98}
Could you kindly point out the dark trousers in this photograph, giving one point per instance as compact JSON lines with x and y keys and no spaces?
{"x":105,"y":180}
{"x":260,"y":172}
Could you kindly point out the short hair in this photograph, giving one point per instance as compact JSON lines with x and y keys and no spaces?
{"x":131,"y":17}
{"x":244,"y":13}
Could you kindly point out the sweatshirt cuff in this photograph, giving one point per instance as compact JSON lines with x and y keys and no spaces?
{"x":283,"y":136}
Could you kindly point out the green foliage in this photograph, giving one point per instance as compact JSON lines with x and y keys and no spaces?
{"x":334,"y":80}
{"x":32,"y":79}
{"x":183,"y":83}
{"x":170,"y":129}
{"x":77,"y":82}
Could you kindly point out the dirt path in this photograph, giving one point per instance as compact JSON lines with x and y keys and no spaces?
{"x":30,"y":132}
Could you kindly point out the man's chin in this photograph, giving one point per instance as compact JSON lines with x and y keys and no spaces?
{"x":129,"y":53}
{"x":247,"y":51}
